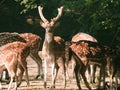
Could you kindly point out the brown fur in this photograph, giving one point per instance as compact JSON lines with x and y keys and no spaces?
{"x":13,"y":57}
{"x":32,"y":40}
{"x":35,"y":43}
{"x":89,"y":52}
{"x":52,"y":47}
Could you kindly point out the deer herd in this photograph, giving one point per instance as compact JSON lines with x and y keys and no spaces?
{"x":84,"y":51}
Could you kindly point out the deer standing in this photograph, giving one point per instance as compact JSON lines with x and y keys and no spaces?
{"x":52,"y":50}
{"x":35,"y":43}
{"x":87,"y":52}
{"x":91,"y":68}
{"x":33,"y":40}
{"x":13,"y":57}
{"x":113,"y":62}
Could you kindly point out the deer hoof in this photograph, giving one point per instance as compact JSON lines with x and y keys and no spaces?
{"x":45,"y":84}
{"x":18,"y":84}
{"x":53,"y":86}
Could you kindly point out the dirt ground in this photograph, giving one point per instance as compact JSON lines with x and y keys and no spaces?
{"x":38,"y":84}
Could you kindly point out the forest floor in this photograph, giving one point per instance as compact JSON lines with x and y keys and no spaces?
{"x":38,"y":84}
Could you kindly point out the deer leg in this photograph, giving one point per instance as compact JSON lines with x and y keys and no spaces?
{"x":55,"y":71}
{"x":11,"y":81}
{"x":100,"y":76}
{"x":103,"y":73}
{"x":13,"y":76}
{"x":113,"y":71}
{"x":16,"y":82}
{"x":76,"y":70}
{"x":65,"y":76}
{"x":54,"y":74}
{"x":45,"y":73}
{"x":24,"y":66}
{"x":1,"y":81}
{"x":82,"y":71}
{"x":38,"y":60}
{"x":26,"y":74}
{"x":10,"y":84}
{"x":73,"y":66}
{"x":20,"y":75}
{"x":92,"y":73}
{"x":67,"y":71}
{"x":64,"y":67}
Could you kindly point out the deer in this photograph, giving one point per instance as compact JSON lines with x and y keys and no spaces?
{"x":52,"y":50}
{"x":112,"y":68}
{"x":91,"y":68}
{"x":35,"y":43}
{"x":84,"y":53}
{"x":114,"y":72}
{"x":13,"y":57}
{"x":33,"y":40}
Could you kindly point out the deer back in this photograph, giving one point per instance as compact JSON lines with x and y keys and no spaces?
{"x":17,"y":46}
{"x":83,"y":36}
{"x":33,"y":40}
{"x":12,"y":53}
{"x":88,"y":49}
{"x":7,"y":37}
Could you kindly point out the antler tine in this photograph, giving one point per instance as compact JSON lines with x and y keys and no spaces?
{"x":59,"y":14}
{"x":41,"y":14}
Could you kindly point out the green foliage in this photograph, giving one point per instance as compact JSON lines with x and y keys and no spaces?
{"x":100,"y":18}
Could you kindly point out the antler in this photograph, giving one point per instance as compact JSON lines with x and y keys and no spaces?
{"x":41,"y":14}
{"x":59,"y":14}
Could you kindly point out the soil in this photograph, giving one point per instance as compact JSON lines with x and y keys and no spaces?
{"x":38,"y":84}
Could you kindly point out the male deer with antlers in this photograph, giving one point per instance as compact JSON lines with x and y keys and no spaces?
{"x":52,"y":50}
{"x":13,"y":57}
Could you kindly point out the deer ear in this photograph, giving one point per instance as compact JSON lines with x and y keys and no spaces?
{"x":42,"y":24}
{"x":57,"y":24}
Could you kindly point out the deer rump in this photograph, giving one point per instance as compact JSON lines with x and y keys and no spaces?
{"x":84,"y":53}
{"x":32,"y":40}
{"x":13,"y":56}
{"x":6,"y":38}
{"x":87,"y":49}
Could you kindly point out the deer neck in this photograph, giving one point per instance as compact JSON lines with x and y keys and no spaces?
{"x":49,"y":37}
{"x":48,"y":44}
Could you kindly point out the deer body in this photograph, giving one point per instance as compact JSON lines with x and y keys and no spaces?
{"x":51,"y":52}
{"x":113,"y":69}
{"x":32,"y":40}
{"x":87,"y":52}
{"x":91,"y":68}
{"x":13,"y":56}
{"x":48,"y":47}
{"x":51,"y":47}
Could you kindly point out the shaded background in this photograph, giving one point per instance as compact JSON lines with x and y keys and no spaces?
{"x":99,"y":18}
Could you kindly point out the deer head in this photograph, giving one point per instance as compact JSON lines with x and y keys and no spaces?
{"x":49,"y":26}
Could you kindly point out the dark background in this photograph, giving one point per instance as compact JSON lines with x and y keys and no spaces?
{"x":100,"y":19}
